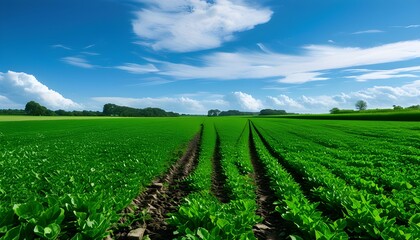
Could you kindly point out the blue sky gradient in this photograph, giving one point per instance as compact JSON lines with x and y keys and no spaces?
{"x":190,"y":56}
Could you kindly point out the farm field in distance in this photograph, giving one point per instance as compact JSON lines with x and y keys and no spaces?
{"x":209,"y":178}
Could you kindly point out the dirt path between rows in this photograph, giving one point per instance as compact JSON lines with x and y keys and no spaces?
{"x":273,"y":225}
{"x":304,"y":183}
{"x":218,"y":187}
{"x":161,"y":197}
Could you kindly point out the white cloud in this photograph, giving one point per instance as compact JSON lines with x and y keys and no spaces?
{"x":137,"y":68}
{"x":89,"y":46}
{"x":411,"y":90}
{"x":408,"y":72}
{"x":303,"y":77}
{"x":78,"y":62}
{"x":19,"y":88}
{"x":309,"y":66}
{"x":369,"y":31}
{"x":191,"y":25}
{"x":319,"y":101}
{"x":263,"y":48}
{"x":285,"y":101}
{"x":247,"y":102}
{"x":413,"y":26}
{"x":90,"y":53}
{"x":376,"y":97}
{"x":61,"y":46}
{"x":6,"y":103}
{"x":180,"y":104}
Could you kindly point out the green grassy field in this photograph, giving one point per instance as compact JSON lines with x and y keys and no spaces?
{"x":412,"y":115}
{"x":64,"y":178}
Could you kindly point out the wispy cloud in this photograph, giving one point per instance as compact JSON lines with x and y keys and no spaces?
{"x":137,"y":68}
{"x":408,"y":26}
{"x":78,"y":62}
{"x":311,"y":65}
{"x":408,"y":72}
{"x":368,"y":31}
{"x":61,"y":46}
{"x":151,"y":81}
{"x":186,"y":25}
{"x":90,"y":53}
{"x":263,"y":48}
{"x":413,"y":26}
{"x":20,"y":87}
{"x":89,"y":46}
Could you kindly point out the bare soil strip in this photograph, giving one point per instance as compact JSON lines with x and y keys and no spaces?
{"x":218,"y":187}
{"x":305,"y":185}
{"x":273,"y":225}
{"x":160,"y":198}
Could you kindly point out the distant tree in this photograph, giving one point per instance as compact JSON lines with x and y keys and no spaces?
{"x":272,"y":112}
{"x":123,"y":111}
{"x":361,"y":105}
{"x":109,"y":109}
{"x":414,"y":107}
{"x":334,"y":110}
{"x":35,"y":109}
{"x":213,"y":112}
{"x":396,"y":107}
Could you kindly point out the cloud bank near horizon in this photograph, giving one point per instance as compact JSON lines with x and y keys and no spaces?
{"x":18,"y":88}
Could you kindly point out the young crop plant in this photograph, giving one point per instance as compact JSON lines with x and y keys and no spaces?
{"x":203,"y":215}
{"x":68,"y":179}
{"x":293,"y":204}
{"x":368,"y":215}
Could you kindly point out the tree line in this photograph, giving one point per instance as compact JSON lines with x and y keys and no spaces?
{"x":217,"y":112}
{"x":33,"y":108}
{"x":361,"y":106}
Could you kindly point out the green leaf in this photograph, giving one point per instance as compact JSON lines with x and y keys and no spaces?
{"x":203,"y":233}
{"x":78,"y":236}
{"x":295,"y":237}
{"x":221,"y":223}
{"x":8,"y":219}
{"x":415,"y":220}
{"x":52,"y":231}
{"x":28,"y":210}
{"x":13,"y":234}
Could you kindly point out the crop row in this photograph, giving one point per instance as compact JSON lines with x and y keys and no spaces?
{"x":293,"y":204}
{"x":205,"y":216}
{"x":70,"y":179}
{"x":367,"y":215}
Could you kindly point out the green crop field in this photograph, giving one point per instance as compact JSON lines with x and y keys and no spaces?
{"x":208,"y":178}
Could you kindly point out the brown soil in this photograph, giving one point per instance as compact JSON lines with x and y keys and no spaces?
{"x":218,"y":187}
{"x":303,"y":182}
{"x":163,"y":196}
{"x":273,"y":225}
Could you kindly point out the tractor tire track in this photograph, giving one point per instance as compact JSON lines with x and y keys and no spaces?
{"x":161,"y":197}
{"x":219,"y":188}
{"x":273,"y":225}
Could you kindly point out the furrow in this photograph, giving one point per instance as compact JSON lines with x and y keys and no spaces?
{"x":304,"y":184}
{"x":148,"y":212}
{"x":273,"y":225}
{"x":219,"y":188}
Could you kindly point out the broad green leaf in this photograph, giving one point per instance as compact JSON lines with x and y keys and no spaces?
{"x":28,"y":210}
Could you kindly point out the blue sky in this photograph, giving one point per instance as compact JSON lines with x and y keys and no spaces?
{"x":190,"y":56}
